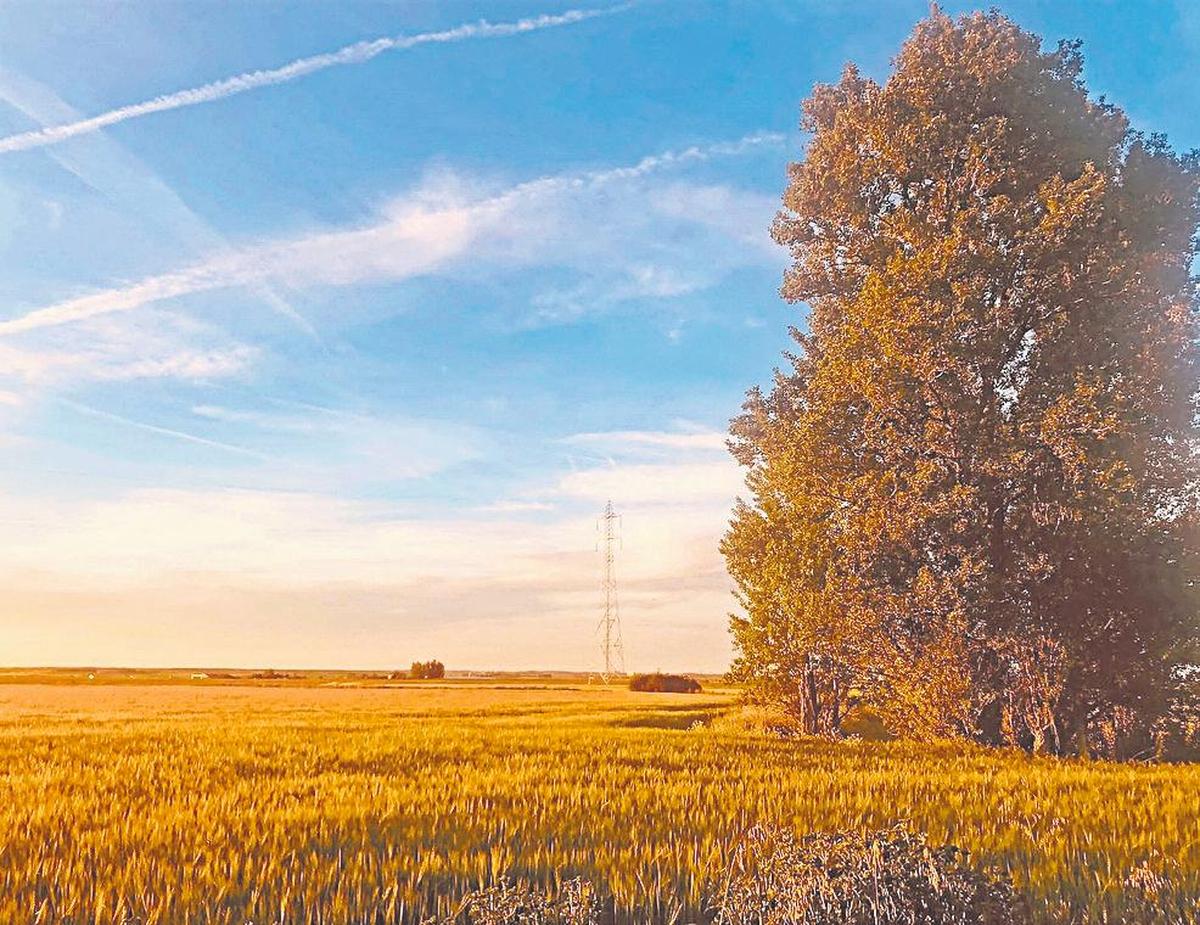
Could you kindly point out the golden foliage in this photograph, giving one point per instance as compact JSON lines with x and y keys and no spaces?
{"x":986,"y":450}
{"x":233,"y":805}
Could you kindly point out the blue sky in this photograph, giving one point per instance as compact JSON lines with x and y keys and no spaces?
{"x":339,"y":368}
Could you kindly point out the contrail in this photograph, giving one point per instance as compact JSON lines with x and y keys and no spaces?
{"x":357,"y":53}
{"x":115,"y":173}
{"x":649,"y":164}
{"x":413,"y":243}
{"x":162,"y":431}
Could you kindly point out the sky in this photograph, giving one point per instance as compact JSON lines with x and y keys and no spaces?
{"x":326,"y":331}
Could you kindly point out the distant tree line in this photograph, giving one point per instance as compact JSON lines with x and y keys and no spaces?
{"x":974,"y":492}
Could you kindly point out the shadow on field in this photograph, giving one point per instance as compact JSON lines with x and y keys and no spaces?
{"x":682,"y":719}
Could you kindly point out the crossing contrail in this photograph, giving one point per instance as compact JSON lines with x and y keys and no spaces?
{"x":162,"y":431}
{"x":357,"y":53}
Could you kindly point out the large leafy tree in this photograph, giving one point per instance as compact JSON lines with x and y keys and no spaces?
{"x":974,"y":491}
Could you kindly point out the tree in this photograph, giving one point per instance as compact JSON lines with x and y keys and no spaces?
{"x":424,"y":671}
{"x":974,"y":491}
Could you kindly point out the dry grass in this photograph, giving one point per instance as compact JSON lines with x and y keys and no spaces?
{"x":228,"y":804}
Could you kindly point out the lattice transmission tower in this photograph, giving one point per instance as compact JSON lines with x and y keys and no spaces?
{"x":610,"y":622}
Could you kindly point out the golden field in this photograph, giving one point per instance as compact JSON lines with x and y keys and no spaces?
{"x":211,"y":803}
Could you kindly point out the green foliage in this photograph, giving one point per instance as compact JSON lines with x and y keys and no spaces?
{"x":664,"y":683}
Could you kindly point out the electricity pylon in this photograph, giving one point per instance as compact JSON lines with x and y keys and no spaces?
{"x":610,"y":622}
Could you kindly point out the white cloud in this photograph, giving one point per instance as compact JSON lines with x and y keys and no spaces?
{"x":405,"y":246}
{"x":342,"y":446}
{"x":659,"y":282}
{"x":156,"y":345}
{"x":217,"y":413}
{"x":187,"y":364}
{"x":354,"y":580}
{"x":418,"y":235}
{"x":643,"y":246}
{"x":694,"y":440}
{"x":742,"y":215}
{"x":99,"y":365}
{"x":298,"y":540}
{"x":515,"y":507}
{"x":650,"y":484}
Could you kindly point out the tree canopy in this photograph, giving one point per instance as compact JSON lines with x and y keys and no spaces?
{"x":425,"y":671}
{"x":973,"y":493}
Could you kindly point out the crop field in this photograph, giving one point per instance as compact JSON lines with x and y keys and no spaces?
{"x":212,"y":803}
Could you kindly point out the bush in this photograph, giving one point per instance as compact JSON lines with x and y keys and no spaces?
{"x":892,"y":877}
{"x":664,"y":683}
{"x":507,"y":903}
{"x":427,"y":670}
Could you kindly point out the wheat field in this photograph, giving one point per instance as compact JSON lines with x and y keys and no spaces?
{"x":206,"y":803}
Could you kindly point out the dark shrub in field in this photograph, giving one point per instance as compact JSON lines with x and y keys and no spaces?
{"x":893,"y":877}
{"x":888,"y":877}
{"x":664,"y":683}
{"x":507,"y":903}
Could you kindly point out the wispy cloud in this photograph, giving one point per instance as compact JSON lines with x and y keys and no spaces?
{"x":738,"y":213}
{"x":416,"y":236}
{"x":358,"y":53}
{"x":515,"y":507}
{"x":711,"y":483}
{"x":189,"y":365}
{"x":339,"y":446}
{"x":483,"y":586}
{"x":695,"y":440}
{"x":154,"y":345}
{"x":651,"y":164}
{"x":652,"y":468}
{"x":397,"y":248}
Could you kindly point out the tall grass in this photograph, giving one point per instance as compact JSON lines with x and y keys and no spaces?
{"x":165,"y":805}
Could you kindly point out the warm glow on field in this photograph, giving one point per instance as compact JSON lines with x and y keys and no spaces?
{"x":238,"y":803}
